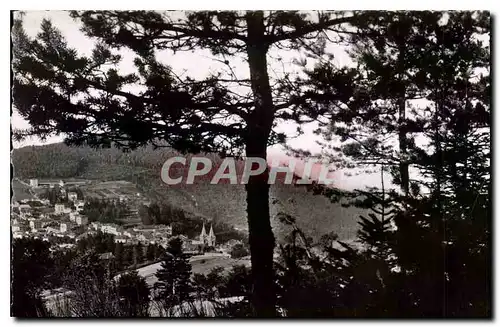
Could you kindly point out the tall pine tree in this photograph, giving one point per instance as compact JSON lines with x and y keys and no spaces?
{"x":89,"y":100}
{"x":174,"y":278}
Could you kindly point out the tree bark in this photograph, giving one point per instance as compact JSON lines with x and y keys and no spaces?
{"x":260,"y":122}
{"x":403,"y":165}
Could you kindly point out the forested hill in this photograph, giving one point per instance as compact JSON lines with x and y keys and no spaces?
{"x":314,"y":213}
{"x":59,"y":160}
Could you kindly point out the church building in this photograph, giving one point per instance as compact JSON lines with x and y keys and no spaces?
{"x":208,"y":240}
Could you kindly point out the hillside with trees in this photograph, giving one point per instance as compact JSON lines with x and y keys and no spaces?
{"x":223,"y":203}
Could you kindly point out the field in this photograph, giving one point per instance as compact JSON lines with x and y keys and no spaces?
{"x":113,"y":190}
{"x":110,"y":190}
{"x":205,"y":263}
{"x":200,"y":264}
{"x":118,"y":190}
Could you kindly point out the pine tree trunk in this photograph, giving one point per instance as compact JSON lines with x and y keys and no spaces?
{"x":403,"y":165}
{"x":261,"y":247}
{"x":260,"y":122}
{"x":438,"y":281}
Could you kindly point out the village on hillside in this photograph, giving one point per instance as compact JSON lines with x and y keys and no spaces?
{"x":53,"y":211}
{"x":64,"y":223}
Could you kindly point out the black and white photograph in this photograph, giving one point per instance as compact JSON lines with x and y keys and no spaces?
{"x":226,"y":164}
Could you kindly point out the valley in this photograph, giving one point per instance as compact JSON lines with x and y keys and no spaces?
{"x":117,"y":174}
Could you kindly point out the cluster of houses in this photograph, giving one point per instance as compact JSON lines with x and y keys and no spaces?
{"x":36,"y":218}
{"x":39,"y":219}
{"x":157,"y":234}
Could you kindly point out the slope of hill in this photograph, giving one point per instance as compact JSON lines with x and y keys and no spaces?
{"x":223,"y":202}
{"x":20,"y":191}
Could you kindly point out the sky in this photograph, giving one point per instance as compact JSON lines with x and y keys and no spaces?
{"x":196,"y":64}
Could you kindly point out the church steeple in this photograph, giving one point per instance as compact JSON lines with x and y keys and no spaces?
{"x":211,"y":237}
{"x":203,"y":234}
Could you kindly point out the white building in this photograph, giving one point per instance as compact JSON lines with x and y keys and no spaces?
{"x":59,"y":209}
{"x":162,"y":230}
{"x":17,"y":226}
{"x":73,"y":215}
{"x":52,"y":230}
{"x":35,"y":225}
{"x":72,"y":196}
{"x":79,"y":205}
{"x":66,"y":246}
{"x":63,"y":227}
{"x":81,"y":220}
{"x":129,"y":233}
{"x":95,"y":225}
{"x":158,"y":230}
{"x":106,"y":256}
{"x":24,"y":210}
{"x":34,"y":182}
{"x":111,"y":229}
{"x":168,"y":231}
{"x":18,"y":235}
{"x":142,"y":238}
{"x":195,"y":242}
{"x":66,"y":227}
